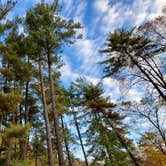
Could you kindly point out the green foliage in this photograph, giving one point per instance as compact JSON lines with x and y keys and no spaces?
{"x":48,"y":29}
{"x":37,"y":146}
{"x":9,"y":102}
{"x":17,"y":68}
{"x":103,"y":144}
{"x":20,"y":163}
{"x":17,"y":131}
{"x":124,"y":49}
{"x":7,"y":73}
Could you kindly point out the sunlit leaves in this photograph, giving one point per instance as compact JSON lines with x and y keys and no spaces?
{"x":9,"y":102}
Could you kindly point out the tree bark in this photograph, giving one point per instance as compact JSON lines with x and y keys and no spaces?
{"x":66,"y":143}
{"x":55,"y":115}
{"x":0,"y":122}
{"x":23,"y":149}
{"x":8,"y":158}
{"x":98,"y":119}
{"x":135,"y":162}
{"x":148,"y":77}
{"x":20,"y":114}
{"x":36,"y":160}
{"x":23,"y":144}
{"x":26,"y":102}
{"x":47,"y":123}
{"x":80,"y":138}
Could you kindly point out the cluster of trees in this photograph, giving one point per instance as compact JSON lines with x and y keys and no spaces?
{"x":41,"y":122}
{"x":137,"y":59}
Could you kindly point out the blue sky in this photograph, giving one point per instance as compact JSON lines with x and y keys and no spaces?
{"x":98,"y":18}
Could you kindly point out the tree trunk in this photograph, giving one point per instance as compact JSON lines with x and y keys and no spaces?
{"x":80,"y":138}
{"x":98,"y":119}
{"x":23,"y":144}
{"x":0,"y":122}
{"x":108,"y":153}
{"x":55,"y":115}
{"x":8,"y":158}
{"x":148,"y":77}
{"x":26,"y":102}
{"x":20,"y":114}
{"x":9,"y":152}
{"x":66,"y":143}
{"x":47,"y":123}
{"x":135,"y":162}
{"x":36,"y":160}
{"x":23,"y":148}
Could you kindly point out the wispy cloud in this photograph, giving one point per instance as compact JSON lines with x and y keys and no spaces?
{"x":121,"y":14}
{"x":102,"y":5}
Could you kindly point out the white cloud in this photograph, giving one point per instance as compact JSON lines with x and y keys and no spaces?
{"x":86,"y":52}
{"x":101,"y":5}
{"x":80,"y":11}
{"x":119,"y":14}
{"x":68,"y":75}
{"x":140,"y":10}
{"x":134,"y":95}
{"x":85,"y":47}
{"x":111,"y":87}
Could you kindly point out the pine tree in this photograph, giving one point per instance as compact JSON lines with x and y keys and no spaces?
{"x":49,"y":31}
{"x":102,"y":118}
{"x":128,"y":50}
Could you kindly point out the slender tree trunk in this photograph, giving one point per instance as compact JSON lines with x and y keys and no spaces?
{"x":9,"y":151}
{"x":8,"y":158}
{"x":13,"y":118}
{"x":66,"y":143}
{"x":80,"y":138}
{"x":23,"y":148}
{"x":47,"y":123}
{"x":98,"y":119}
{"x":5,"y":88}
{"x":23,"y":144}
{"x":36,"y":163}
{"x":20,"y":116}
{"x":158,"y":127}
{"x":26,"y":102}
{"x":0,"y":122}
{"x":36,"y":160}
{"x":55,"y":115}
{"x":135,"y":162}
{"x":148,"y":77}
{"x":108,"y":153}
